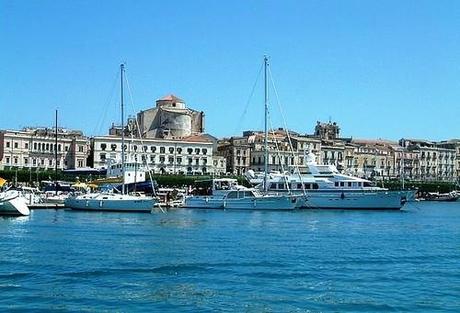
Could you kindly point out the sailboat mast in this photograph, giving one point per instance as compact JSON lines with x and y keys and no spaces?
{"x":56,"y":154}
{"x":122,"y":69}
{"x":265,"y":124}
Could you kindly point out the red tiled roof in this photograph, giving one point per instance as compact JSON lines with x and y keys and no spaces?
{"x":196,"y":138}
{"x":171,"y":97}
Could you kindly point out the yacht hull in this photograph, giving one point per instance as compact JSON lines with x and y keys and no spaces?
{"x":111,"y":205}
{"x":262,"y":203}
{"x":368,"y":200}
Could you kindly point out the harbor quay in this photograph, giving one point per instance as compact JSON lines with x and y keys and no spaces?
{"x":171,"y":139}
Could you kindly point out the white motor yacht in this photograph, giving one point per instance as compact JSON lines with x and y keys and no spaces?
{"x":326,"y":188}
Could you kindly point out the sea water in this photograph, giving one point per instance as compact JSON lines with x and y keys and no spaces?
{"x":233,"y":261}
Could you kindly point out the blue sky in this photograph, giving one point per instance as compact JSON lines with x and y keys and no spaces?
{"x":381,"y":69}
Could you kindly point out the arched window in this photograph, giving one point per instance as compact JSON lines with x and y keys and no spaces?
{"x":205,"y":151}
{"x":179,"y":150}
{"x":103,"y":146}
{"x":171,"y":150}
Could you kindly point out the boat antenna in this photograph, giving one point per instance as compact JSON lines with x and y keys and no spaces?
{"x":122,"y":69}
{"x":265,"y":124}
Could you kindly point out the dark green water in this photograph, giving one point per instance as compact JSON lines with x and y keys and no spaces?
{"x":233,"y":261}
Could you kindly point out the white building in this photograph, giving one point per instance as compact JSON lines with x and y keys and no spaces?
{"x":36,"y":147}
{"x":192,"y":155}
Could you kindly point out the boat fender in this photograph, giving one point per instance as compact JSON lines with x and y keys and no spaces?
{"x":255,"y":203}
{"x":86,"y":203}
{"x":342,"y":196}
{"x":225,"y":204}
{"x":100,"y":204}
{"x":206,"y":199}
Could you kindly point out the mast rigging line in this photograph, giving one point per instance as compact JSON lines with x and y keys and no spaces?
{"x":287,"y":130}
{"x":240,"y":120}
{"x":109,"y":99}
{"x":278,"y":154}
{"x":145,"y":160}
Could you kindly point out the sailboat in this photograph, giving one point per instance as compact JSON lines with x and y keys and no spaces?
{"x":225,"y":193}
{"x":109,"y":201}
{"x":12,"y":202}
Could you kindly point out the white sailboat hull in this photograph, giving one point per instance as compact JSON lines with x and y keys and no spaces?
{"x":118,"y":203}
{"x":259,"y":203}
{"x":12,"y":203}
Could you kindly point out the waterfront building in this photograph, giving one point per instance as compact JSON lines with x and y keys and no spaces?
{"x":437,"y":160}
{"x":237,"y":153}
{"x":192,"y":155}
{"x":35,"y":147}
{"x":369,"y":159}
{"x":248,"y":152}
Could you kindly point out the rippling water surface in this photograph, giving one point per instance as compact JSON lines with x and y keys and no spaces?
{"x":233,"y":261}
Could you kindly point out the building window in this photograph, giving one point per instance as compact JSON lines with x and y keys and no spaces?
{"x":35,"y":146}
{"x":197,"y":150}
{"x":171,"y":159}
{"x":102,"y":157}
{"x":66,"y":148}
{"x":205,"y":151}
{"x":26,"y":161}
{"x":34,"y":162}
{"x":103,"y":146}
{"x":7,"y":160}
{"x":80,"y":163}
{"x":153,"y":149}
{"x":135,"y":147}
{"x":189,"y":150}
{"x":47,"y":147}
{"x":50,"y":162}
{"x":179,"y":160}
{"x":162,"y":159}
{"x":171,"y":150}
{"x":26,"y":145}
{"x":152,"y":159}
{"x":7,"y":144}
{"x":59,"y":147}
{"x":179,"y":150}
{"x":162,"y":150}
{"x":80,"y":149}
{"x":16,"y":145}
